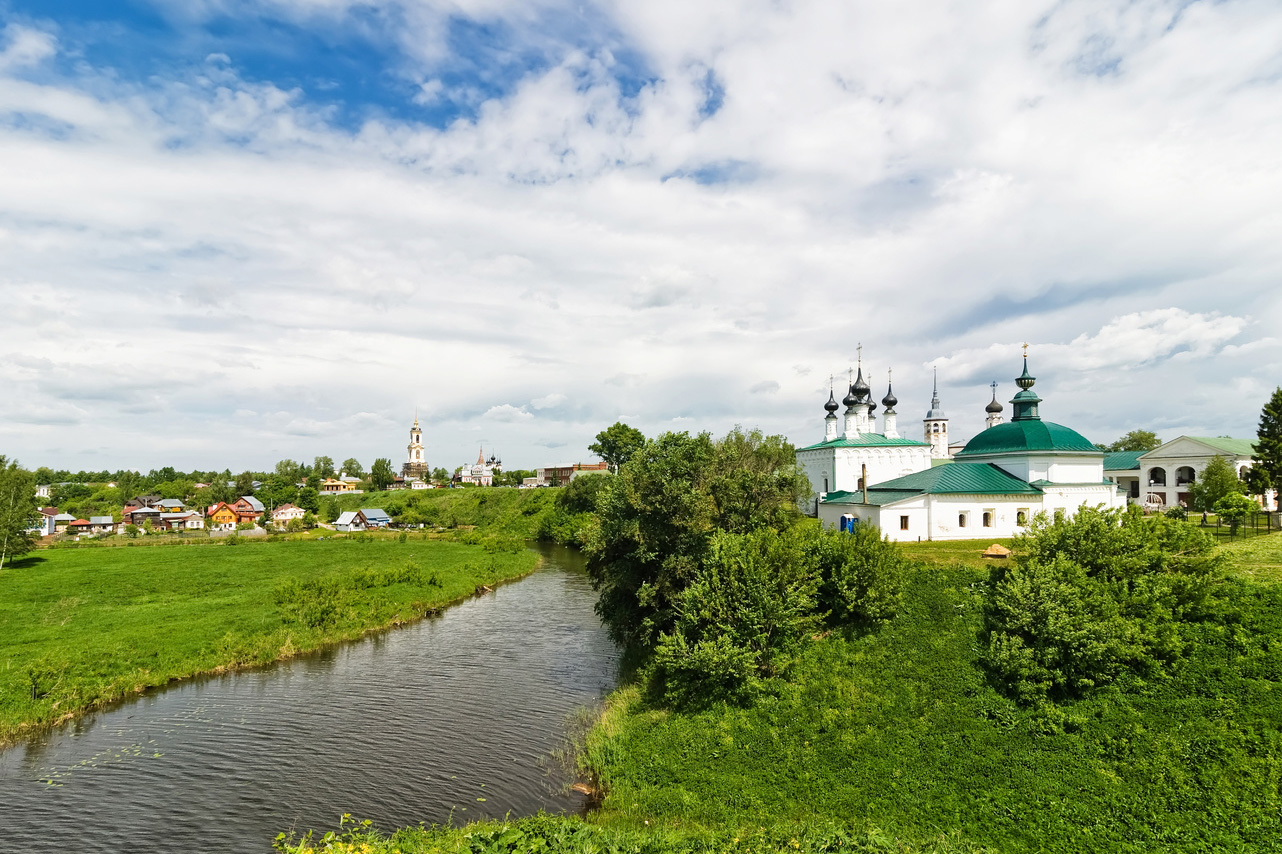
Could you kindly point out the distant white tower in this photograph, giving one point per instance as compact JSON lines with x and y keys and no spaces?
{"x":994,"y":411}
{"x":936,"y":425}
{"x":416,"y":465}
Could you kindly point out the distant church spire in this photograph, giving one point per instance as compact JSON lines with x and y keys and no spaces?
{"x":935,"y":425}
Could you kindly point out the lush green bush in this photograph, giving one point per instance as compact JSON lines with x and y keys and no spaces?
{"x":757,"y":597}
{"x":859,"y":573}
{"x":750,"y":604}
{"x":1090,"y":598}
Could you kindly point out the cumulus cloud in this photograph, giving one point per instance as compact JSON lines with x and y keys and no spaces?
{"x":763,"y":187}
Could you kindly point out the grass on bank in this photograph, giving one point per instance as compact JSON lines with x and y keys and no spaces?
{"x":82,"y":627}
{"x":901,"y":730}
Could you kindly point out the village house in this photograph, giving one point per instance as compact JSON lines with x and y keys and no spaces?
{"x":286,"y":513}
{"x":222,"y":517}
{"x":187,"y":520}
{"x":375,"y":517}
{"x":352,"y":520}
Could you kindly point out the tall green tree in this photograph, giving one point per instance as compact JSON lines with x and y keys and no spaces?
{"x":616,"y":444}
{"x":245,"y":483}
{"x":353,"y":467}
{"x":656,"y":519}
{"x":381,"y":475}
{"x":1218,"y":480}
{"x":19,"y":511}
{"x":1268,"y":448}
{"x":323,"y":466}
{"x":1136,"y":440}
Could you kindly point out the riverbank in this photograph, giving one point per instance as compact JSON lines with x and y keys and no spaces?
{"x":895,"y":741}
{"x":83,"y":628}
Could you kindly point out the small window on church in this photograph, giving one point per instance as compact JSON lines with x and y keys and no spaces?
{"x":1021,"y":517}
{"x":988,"y":518}
{"x":903,"y":523}
{"x":825,"y":484}
{"x":961,"y":520}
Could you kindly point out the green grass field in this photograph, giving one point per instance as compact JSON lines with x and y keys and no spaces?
{"x":82,"y":627}
{"x":901,"y":731}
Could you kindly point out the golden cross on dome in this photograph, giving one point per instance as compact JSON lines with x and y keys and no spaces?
{"x":1025,"y":349}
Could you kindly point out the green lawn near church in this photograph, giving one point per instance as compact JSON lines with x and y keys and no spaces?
{"x":80,"y":627}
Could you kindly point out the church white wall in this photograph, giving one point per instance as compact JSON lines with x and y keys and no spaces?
{"x":843,"y":466}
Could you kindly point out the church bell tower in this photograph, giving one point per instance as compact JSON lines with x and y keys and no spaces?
{"x":416,"y":465}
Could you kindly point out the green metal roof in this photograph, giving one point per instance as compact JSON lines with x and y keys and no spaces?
{"x":1122,"y":460}
{"x":864,"y":440}
{"x":1028,"y":436}
{"x":953,"y":479}
{"x":1242,"y":447}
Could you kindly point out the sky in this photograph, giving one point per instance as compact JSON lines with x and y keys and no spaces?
{"x":237,"y":231}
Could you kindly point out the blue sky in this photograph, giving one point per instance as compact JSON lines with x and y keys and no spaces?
{"x":241,"y":230}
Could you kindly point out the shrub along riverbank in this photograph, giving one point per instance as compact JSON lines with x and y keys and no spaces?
{"x":83,"y":627}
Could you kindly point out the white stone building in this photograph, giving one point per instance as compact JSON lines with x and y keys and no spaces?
{"x":1162,"y":477}
{"x":997,"y":483}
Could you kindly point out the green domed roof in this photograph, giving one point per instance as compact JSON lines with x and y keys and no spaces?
{"x":1028,"y":435}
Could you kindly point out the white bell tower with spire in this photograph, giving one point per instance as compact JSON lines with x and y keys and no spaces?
{"x":416,"y":465}
{"x":935,"y":425}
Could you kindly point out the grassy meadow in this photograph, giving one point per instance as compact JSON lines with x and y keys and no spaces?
{"x":80,"y":627}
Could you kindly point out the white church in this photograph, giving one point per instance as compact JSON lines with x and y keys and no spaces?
{"x":914,"y":490}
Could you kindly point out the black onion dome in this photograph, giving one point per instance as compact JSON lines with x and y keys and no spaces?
{"x":889,"y":401}
{"x":993,"y":407}
{"x":850,"y":399}
{"x":860,"y":388}
{"x":872,"y":407}
{"x":831,"y":405}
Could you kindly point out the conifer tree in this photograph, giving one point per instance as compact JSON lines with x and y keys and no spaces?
{"x":1268,"y":450}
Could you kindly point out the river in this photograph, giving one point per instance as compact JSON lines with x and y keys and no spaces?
{"x":450,"y":718}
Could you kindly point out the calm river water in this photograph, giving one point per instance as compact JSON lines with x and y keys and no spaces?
{"x":452,"y":715}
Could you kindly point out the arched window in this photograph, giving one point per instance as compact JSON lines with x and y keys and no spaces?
{"x":988,"y":519}
{"x":1157,"y":477}
{"x":1184,"y":474}
{"x":1021,"y":517}
{"x":961,"y":520}
{"x":825,"y":484}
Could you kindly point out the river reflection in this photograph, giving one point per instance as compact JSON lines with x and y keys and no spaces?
{"x":451,"y":716}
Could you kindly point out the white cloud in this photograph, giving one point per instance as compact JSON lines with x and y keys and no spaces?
{"x":506,"y":412}
{"x":25,"y":47}
{"x":1099,"y":180}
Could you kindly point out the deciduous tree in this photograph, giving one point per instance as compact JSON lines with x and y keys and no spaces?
{"x":353,"y":467}
{"x":381,"y":475}
{"x":616,"y":444}
{"x":1218,"y":480}
{"x":1136,"y":440}
{"x":655,"y":520}
{"x":19,"y":511}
